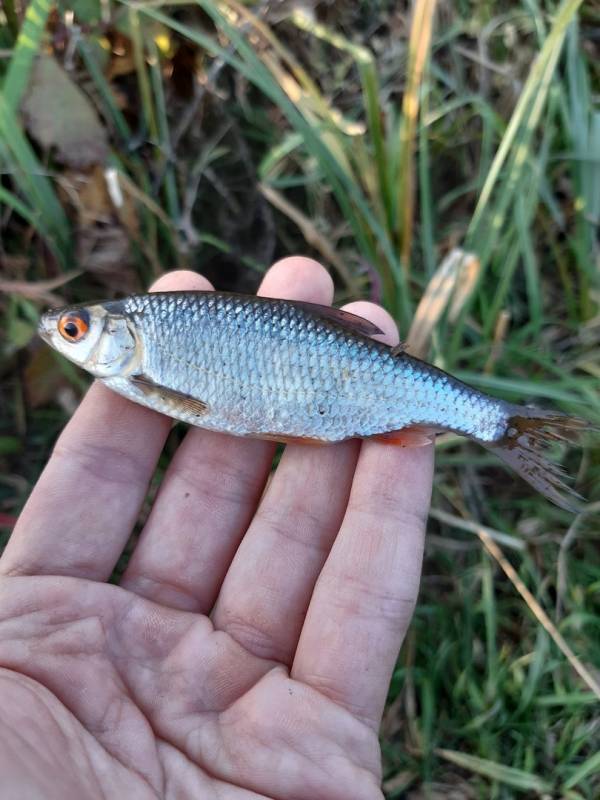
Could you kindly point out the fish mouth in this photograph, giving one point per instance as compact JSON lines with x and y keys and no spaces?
{"x":47,"y":326}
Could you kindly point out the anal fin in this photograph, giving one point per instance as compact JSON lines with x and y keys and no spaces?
{"x":412,"y":436}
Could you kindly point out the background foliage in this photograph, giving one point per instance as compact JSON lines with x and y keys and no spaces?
{"x":441,"y":158}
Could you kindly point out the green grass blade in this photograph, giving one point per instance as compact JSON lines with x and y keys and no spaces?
{"x":44,"y":212}
{"x":530,"y":264}
{"x":282,"y":149}
{"x":582,"y":126}
{"x":506,"y":174}
{"x":26,"y":49}
{"x":111,"y":110}
{"x":510,"y":776}
{"x":535,"y":674}
{"x":35,"y":219}
{"x":33,"y":183}
{"x":526,"y":115}
{"x":170,"y":183}
{"x":567,"y":700}
{"x":488,"y":606}
{"x":142,"y":75}
{"x":519,"y":388}
{"x":370,"y":95}
{"x":590,"y":766}
{"x":12,"y":201}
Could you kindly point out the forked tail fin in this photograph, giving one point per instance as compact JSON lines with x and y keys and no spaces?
{"x":524,"y":446}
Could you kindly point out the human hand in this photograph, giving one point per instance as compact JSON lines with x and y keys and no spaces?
{"x":248,"y":650}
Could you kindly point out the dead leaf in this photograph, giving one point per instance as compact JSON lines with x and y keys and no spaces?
{"x":86,"y":11}
{"x":106,"y":252}
{"x":90,"y":194}
{"x":104,"y":232}
{"x":500,"y":331}
{"x":87,"y":192}
{"x":58,"y":114}
{"x":311,"y":234}
{"x":451,"y":285}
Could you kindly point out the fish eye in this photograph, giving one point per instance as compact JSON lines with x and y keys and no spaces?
{"x":73,"y":326}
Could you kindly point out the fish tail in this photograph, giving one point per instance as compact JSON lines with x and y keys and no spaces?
{"x":525,"y":446}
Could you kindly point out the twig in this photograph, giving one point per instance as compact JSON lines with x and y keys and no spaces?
{"x":199,"y":92}
{"x":538,"y":611}
{"x":308,"y":229}
{"x":474,"y":527}
{"x":40,"y":290}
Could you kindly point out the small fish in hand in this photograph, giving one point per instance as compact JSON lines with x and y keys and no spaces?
{"x":289,"y":371}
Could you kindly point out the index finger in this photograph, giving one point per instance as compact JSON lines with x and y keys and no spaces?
{"x":86,"y":501}
{"x":365,"y":595}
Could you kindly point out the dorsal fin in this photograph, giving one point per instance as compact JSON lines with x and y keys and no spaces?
{"x":345,"y":319}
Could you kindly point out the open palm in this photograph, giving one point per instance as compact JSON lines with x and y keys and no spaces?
{"x":247,"y":651}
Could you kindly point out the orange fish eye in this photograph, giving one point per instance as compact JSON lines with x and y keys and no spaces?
{"x":73,"y":326}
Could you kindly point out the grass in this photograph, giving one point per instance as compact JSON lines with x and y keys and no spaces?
{"x":440,"y":159}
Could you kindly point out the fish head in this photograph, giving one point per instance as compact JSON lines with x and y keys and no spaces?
{"x":95,"y":337}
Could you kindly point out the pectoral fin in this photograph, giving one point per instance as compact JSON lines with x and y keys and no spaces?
{"x":178,"y":400}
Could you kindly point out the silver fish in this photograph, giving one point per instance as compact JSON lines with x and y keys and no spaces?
{"x":286,"y":370}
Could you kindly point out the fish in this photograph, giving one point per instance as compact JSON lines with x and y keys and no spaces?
{"x":295,"y":371}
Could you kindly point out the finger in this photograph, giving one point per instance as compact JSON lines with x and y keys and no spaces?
{"x":289,"y":540}
{"x":86,"y":502}
{"x":366,"y":592}
{"x":265,"y":594}
{"x":212,"y":488}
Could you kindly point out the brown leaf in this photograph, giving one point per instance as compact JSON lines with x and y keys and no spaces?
{"x":107,"y":253}
{"x":450,"y":286}
{"x":90,"y":195}
{"x":104,"y":230}
{"x":58,"y":114}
